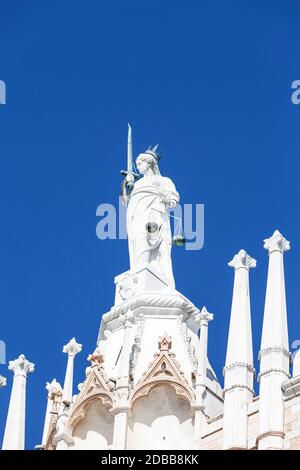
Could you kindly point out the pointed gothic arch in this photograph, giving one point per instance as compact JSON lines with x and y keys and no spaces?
{"x":163,"y":370}
{"x":96,"y":387}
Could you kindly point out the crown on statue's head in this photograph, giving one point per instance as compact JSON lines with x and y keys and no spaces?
{"x":153,"y":151}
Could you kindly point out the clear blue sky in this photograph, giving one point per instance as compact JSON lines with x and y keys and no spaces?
{"x":210,"y":81}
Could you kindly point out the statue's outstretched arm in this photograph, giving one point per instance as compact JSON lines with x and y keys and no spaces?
{"x":168,"y":193}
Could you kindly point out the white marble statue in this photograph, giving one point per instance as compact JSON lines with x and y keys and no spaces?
{"x":62,"y":418}
{"x":148,"y":221}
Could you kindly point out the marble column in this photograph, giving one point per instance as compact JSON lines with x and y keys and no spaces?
{"x":274,"y":351}
{"x":238,"y":370}
{"x":72,"y":348}
{"x":204,"y":317}
{"x":14,"y":434}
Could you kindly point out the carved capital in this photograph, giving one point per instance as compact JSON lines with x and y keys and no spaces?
{"x":21,"y":366}
{"x":54,"y":390}
{"x":2,"y":381}
{"x":276,"y":243}
{"x":204,"y":317}
{"x":72,"y":348}
{"x":242,"y":260}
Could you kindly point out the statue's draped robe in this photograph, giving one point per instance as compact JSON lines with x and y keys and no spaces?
{"x":146,"y":207}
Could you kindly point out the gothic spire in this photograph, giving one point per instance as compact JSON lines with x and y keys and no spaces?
{"x":238,"y":371}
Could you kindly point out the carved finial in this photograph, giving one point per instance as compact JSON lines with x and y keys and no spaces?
{"x":72,"y":348}
{"x":54,"y":389}
{"x":276,"y":243}
{"x":21,"y":366}
{"x":242,"y":260}
{"x":204,"y":316}
{"x":2,"y":381}
{"x":164,"y":342}
{"x":97,"y":358}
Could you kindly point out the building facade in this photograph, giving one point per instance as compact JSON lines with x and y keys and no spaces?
{"x":150,"y":384}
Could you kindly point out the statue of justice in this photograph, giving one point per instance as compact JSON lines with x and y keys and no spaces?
{"x":149,"y":196}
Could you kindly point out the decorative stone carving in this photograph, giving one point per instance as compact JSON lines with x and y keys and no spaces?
{"x":72,"y":348}
{"x":273,"y":369}
{"x":239,"y":364}
{"x":269,"y":349}
{"x":81,"y":406}
{"x":96,"y":359}
{"x":242,"y":260}
{"x":102,"y":343}
{"x":276,"y":242}
{"x":127,"y":286}
{"x":121,"y":396}
{"x":55,"y":393}
{"x":21,"y":366}
{"x":164,"y":369}
{"x":164,"y":342}
{"x":137,"y":343}
{"x":96,"y":387}
{"x":128,"y":319}
{"x":187,"y":341}
{"x":151,"y":300}
{"x":54,"y":390}
{"x":97,"y":379}
{"x":62,"y":418}
{"x":204,"y":317}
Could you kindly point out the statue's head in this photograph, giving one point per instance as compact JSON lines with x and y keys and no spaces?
{"x":148,"y":160}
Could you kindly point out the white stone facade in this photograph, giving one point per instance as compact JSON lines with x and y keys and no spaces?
{"x":150,"y":384}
